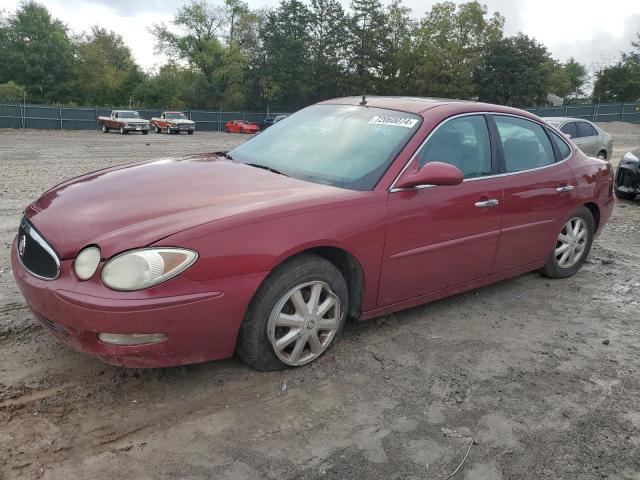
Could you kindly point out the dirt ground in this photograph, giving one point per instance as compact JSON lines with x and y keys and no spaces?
{"x":526,"y":379}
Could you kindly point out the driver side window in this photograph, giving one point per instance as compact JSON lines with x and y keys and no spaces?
{"x":463,"y":143}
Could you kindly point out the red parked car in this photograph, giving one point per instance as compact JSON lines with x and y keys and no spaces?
{"x":240,"y":126}
{"x":353,"y":210}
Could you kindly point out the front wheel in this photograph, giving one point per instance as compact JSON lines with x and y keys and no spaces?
{"x":295,"y":316}
{"x":144,"y":132}
{"x":190,"y":132}
{"x":123,"y":131}
{"x":572,"y":245}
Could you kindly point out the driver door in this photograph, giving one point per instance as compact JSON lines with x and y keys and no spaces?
{"x":443,"y":236}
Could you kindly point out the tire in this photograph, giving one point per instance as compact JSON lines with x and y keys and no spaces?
{"x":259,"y":330}
{"x":602,"y":155}
{"x":105,"y":129}
{"x":157,"y":128}
{"x":242,"y":130}
{"x":624,"y":195}
{"x":190,"y":132}
{"x":123,"y":131}
{"x":145,"y":132}
{"x":553,"y":267}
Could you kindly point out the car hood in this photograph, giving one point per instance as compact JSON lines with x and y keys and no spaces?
{"x":136,"y":205}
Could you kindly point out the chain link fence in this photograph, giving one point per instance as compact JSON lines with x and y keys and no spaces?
{"x":596,"y":112}
{"x":84,"y":118}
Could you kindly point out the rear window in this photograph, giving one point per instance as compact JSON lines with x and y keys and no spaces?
{"x":563,"y":148}
{"x":524,"y":143}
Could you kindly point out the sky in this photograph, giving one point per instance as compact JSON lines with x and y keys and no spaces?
{"x":592,"y":31}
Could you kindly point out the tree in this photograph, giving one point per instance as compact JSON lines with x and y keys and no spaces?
{"x":211,"y":41}
{"x":368,"y":46}
{"x":287,"y":70}
{"x":328,"y":44}
{"x":514,"y":71}
{"x":401,"y":32}
{"x":105,"y":72}
{"x":11,"y":92}
{"x":37,"y":53}
{"x":449,"y":46}
{"x":620,"y":82}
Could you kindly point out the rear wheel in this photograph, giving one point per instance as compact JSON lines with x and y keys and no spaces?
{"x":157,"y":128}
{"x":295,"y":316}
{"x":242,"y":130}
{"x":602,"y":155}
{"x":105,"y":129}
{"x":572,"y":245}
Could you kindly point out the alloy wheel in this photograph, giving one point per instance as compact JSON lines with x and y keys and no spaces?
{"x":571,"y":242}
{"x":303,"y":323}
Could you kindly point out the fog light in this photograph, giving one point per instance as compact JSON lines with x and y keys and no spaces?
{"x":131,"y":338}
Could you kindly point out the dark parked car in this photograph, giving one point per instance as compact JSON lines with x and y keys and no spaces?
{"x":357,"y":209}
{"x":628,"y":176}
{"x":268,"y":121}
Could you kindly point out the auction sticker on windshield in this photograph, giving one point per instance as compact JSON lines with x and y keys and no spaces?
{"x":393,"y":121}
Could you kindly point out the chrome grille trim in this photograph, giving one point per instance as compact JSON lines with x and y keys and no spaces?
{"x":30,"y":230}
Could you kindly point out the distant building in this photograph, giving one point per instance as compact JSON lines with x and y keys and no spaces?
{"x":555,"y":100}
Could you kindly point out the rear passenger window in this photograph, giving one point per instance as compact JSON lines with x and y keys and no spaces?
{"x":586,"y":130}
{"x":563,"y":148}
{"x":524,"y":143}
{"x":570,"y":129}
{"x":462,"y":142}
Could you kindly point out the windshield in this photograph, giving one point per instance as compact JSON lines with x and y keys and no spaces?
{"x":128,"y":115}
{"x":348,"y":146}
{"x":175,"y":116}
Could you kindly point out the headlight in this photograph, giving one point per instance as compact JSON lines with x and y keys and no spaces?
{"x":146,"y":267}
{"x":629,"y":157}
{"x":86,"y":263}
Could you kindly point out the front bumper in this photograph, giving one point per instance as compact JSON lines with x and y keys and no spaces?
{"x":136,"y":128}
{"x":182,"y":128}
{"x":628,"y":178}
{"x":200,"y":326}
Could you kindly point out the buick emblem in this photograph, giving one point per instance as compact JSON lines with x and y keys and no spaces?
{"x":22,"y":244}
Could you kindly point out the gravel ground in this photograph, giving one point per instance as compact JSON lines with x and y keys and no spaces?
{"x":528,"y":378}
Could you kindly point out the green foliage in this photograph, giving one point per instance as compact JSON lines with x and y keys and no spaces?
{"x":620,"y":82}
{"x":450,"y":44}
{"x":224,"y":54}
{"x":37,"y":53}
{"x":11,"y":92}
{"x":514,"y":71}
{"x":104,"y":70}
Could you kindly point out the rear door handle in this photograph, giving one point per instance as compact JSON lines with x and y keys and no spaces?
{"x":487,"y":203}
{"x":565,"y":188}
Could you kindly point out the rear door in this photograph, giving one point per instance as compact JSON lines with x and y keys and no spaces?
{"x":587,"y":138}
{"x":442,"y":236}
{"x":539,"y":191}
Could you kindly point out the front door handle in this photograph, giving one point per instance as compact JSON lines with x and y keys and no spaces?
{"x":487,"y":203}
{"x":564,"y":188}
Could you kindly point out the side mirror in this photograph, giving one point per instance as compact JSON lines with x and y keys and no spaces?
{"x":433,"y":173}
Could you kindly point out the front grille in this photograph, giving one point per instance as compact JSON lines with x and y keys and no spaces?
{"x":53,"y":327}
{"x":36,"y":254}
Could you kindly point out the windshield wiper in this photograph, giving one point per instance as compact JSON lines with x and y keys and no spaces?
{"x":264,"y":167}
{"x":224,"y":154}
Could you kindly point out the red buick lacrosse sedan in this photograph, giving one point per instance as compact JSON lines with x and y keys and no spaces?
{"x":347,"y":209}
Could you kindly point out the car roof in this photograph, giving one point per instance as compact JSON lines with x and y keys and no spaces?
{"x":419,"y":105}
{"x":174,"y":112}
